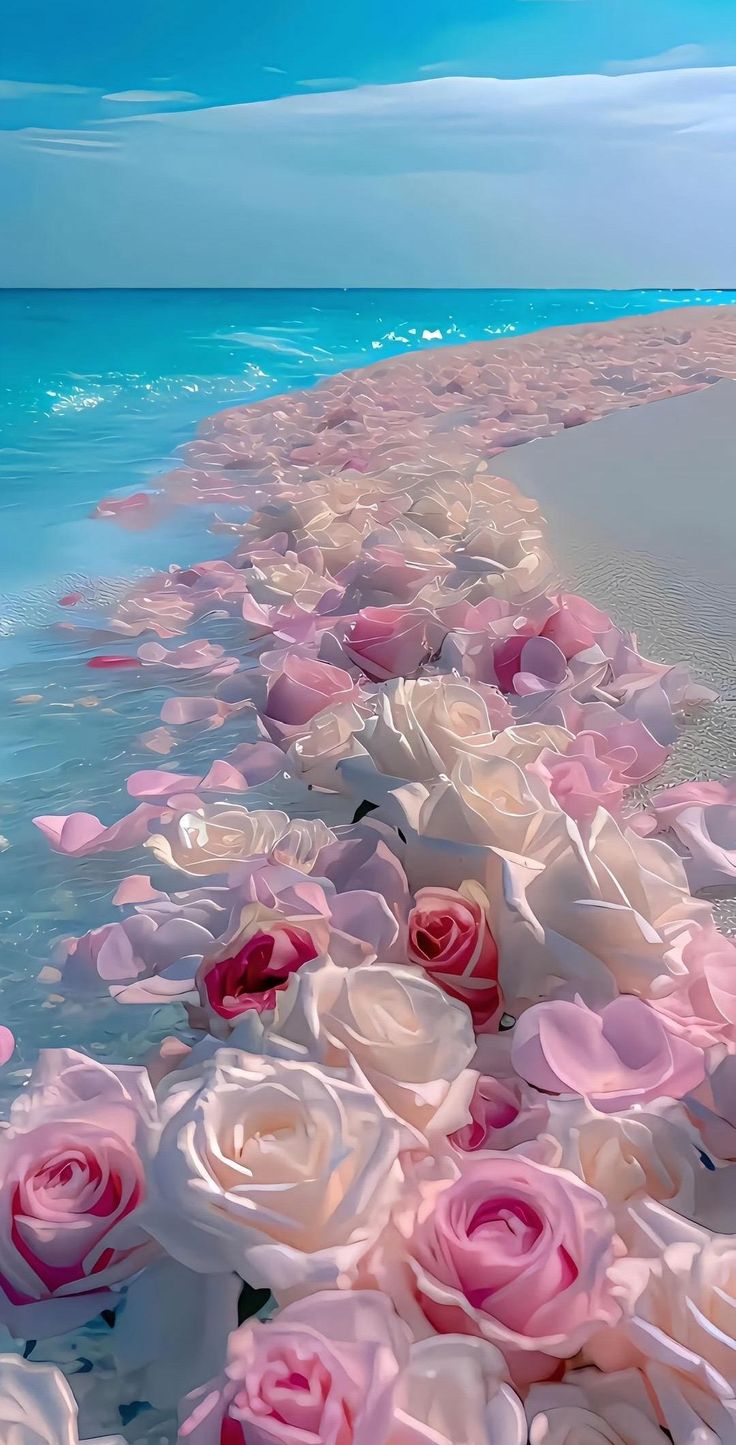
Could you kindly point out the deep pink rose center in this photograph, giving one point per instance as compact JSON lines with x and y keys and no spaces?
{"x":250,"y":977}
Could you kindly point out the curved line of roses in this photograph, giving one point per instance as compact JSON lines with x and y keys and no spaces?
{"x":499,"y":735}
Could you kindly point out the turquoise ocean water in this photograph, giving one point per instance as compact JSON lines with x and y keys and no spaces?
{"x":97,"y":390}
{"x":99,"y":387}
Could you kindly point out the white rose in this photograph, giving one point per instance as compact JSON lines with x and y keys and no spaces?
{"x":217,"y":836}
{"x":601,"y":918}
{"x":278,"y":1170}
{"x":592,"y":1409}
{"x":419,"y":729}
{"x":410,"y":1040}
{"x":37,"y":1406}
{"x":464,"y":826}
{"x":640,"y":1153}
{"x":453,"y":1390}
{"x":678,"y":1288}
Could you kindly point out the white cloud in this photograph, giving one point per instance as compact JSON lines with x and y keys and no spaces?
{"x":25,"y":89}
{"x":584,"y":180}
{"x":150,"y":97}
{"x":329,"y":82}
{"x":679,"y":58}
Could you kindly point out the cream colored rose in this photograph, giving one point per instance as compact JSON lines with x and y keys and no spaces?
{"x":589,"y":1408}
{"x":214,"y":838}
{"x":678,"y":1289}
{"x":464,"y":826}
{"x":601,"y":918}
{"x":638,"y":1154}
{"x":279,"y":1170}
{"x":420,"y":728}
{"x":288,"y":582}
{"x":411,"y":1040}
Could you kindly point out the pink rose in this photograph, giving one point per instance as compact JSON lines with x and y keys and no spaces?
{"x":581,"y":780}
{"x":287,"y":920}
{"x":575,"y":625}
{"x":340,"y":1369}
{"x":503,"y":1113}
{"x":251,"y":976}
{"x":507,"y":659}
{"x":389,"y":642}
{"x":619,"y":1056}
{"x":450,"y":939}
{"x":513,"y":1251}
{"x":71,"y":1188}
{"x":323,"y":1370}
{"x":299,"y":689}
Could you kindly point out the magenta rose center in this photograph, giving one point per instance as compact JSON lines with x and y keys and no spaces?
{"x":250,"y":977}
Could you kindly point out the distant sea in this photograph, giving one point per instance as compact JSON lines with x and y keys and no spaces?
{"x":99,"y":387}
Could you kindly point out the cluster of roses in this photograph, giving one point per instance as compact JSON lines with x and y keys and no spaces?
{"x":459,"y":1088}
{"x":481,"y":398}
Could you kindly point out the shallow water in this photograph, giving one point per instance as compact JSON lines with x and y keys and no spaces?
{"x":101,"y":388}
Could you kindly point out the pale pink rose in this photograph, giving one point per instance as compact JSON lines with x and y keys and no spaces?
{"x":340,"y":1369}
{"x":504,"y":1112}
{"x":395,"y":562}
{"x":285,"y":590}
{"x":299,"y":689}
{"x":387,"y":642}
{"x":278,"y":1170}
{"x":575,"y":624}
{"x":589,"y":1408}
{"x":72,"y":1190}
{"x":619,"y":1056}
{"x":450,"y":938}
{"x":37,"y":1407}
{"x":411,"y":1041}
{"x":580,"y":779}
{"x":700,"y":1003}
{"x":510,"y":1250}
{"x":323,"y":1370}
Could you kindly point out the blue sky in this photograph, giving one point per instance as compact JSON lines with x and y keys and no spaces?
{"x":213,"y":142}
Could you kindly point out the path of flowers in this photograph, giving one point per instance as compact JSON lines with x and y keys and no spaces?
{"x":452,"y":1128}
